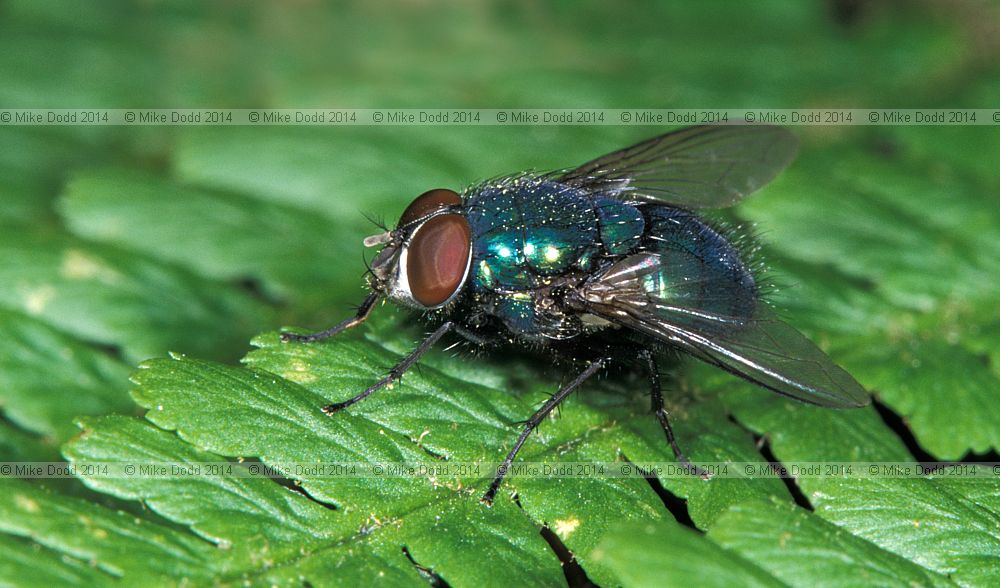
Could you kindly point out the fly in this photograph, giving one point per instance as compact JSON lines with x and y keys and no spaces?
{"x":607,"y":261}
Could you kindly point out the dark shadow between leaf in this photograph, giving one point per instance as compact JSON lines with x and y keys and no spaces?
{"x":764,"y":446}
{"x":674,"y":504}
{"x":847,"y":14}
{"x":254,"y":287}
{"x":576,"y":576}
{"x":433,"y":578}
{"x":289,"y":483}
{"x":897,"y":423}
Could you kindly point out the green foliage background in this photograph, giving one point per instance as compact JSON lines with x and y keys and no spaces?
{"x":122,"y":244}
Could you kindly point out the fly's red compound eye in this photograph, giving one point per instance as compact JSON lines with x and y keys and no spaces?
{"x":427,"y":203}
{"x":437,"y":258}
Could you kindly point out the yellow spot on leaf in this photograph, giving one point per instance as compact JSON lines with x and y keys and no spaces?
{"x":78,"y":265}
{"x":299,"y":373}
{"x":35,"y":300}
{"x":565,"y":527}
{"x":26,"y":503}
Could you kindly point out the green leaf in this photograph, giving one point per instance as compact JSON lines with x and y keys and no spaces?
{"x":117,"y":544}
{"x":430,"y":416}
{"x":964,"y":418}
{"x":265,"y":527}
{"x":292,"y":166}
{"x":932,"y":277}
{"x":925,"y":521}
{"x":933,"y":524}
{"x":644,"y":554}
{"x":30,"y":565}
{"x":248,"y":515}
{"x":113,"y":297}
{"x":45,"y":400}
{"x":16,"y":444}
{"x":462,"y":421}
{"x":290,"y":251}
{"x":794,"y":545}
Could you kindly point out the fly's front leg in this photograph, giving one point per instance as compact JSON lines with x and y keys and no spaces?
{"x":363,"y":311}
{"x":397,"y":371}
{"x":534,"y":421}
{"x":656,"y":398}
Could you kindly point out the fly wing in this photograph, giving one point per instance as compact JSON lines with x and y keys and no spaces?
{"x":705,"y":317}
{"x":695,"y":167}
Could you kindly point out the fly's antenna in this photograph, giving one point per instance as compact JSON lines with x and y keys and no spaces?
{"x":381,"y":238}
{"x":376,"y":240}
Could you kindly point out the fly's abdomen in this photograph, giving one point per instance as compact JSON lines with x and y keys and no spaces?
{"x":701,"y":268}
{"x":621,"y":226}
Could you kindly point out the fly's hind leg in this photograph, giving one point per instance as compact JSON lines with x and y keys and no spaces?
{"x":534,"y":421}
{"x":656,"y":398}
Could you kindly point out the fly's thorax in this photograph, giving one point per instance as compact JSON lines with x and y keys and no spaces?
{"x":533,"y":237}
{"x":426,"y":259}
{"x":528,"y":229}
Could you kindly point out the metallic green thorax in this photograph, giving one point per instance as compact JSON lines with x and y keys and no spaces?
{"x":532,"y":236}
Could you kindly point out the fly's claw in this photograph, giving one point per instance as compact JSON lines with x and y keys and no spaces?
{"x":331,"y":409}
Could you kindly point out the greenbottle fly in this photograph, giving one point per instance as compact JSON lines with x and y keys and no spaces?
{"x":607,"y":262}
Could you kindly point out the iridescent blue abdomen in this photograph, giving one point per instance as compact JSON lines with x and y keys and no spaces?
{"x":702,"y":268}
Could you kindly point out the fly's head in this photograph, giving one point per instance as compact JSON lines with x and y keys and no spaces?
{"x":424,"y":262}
